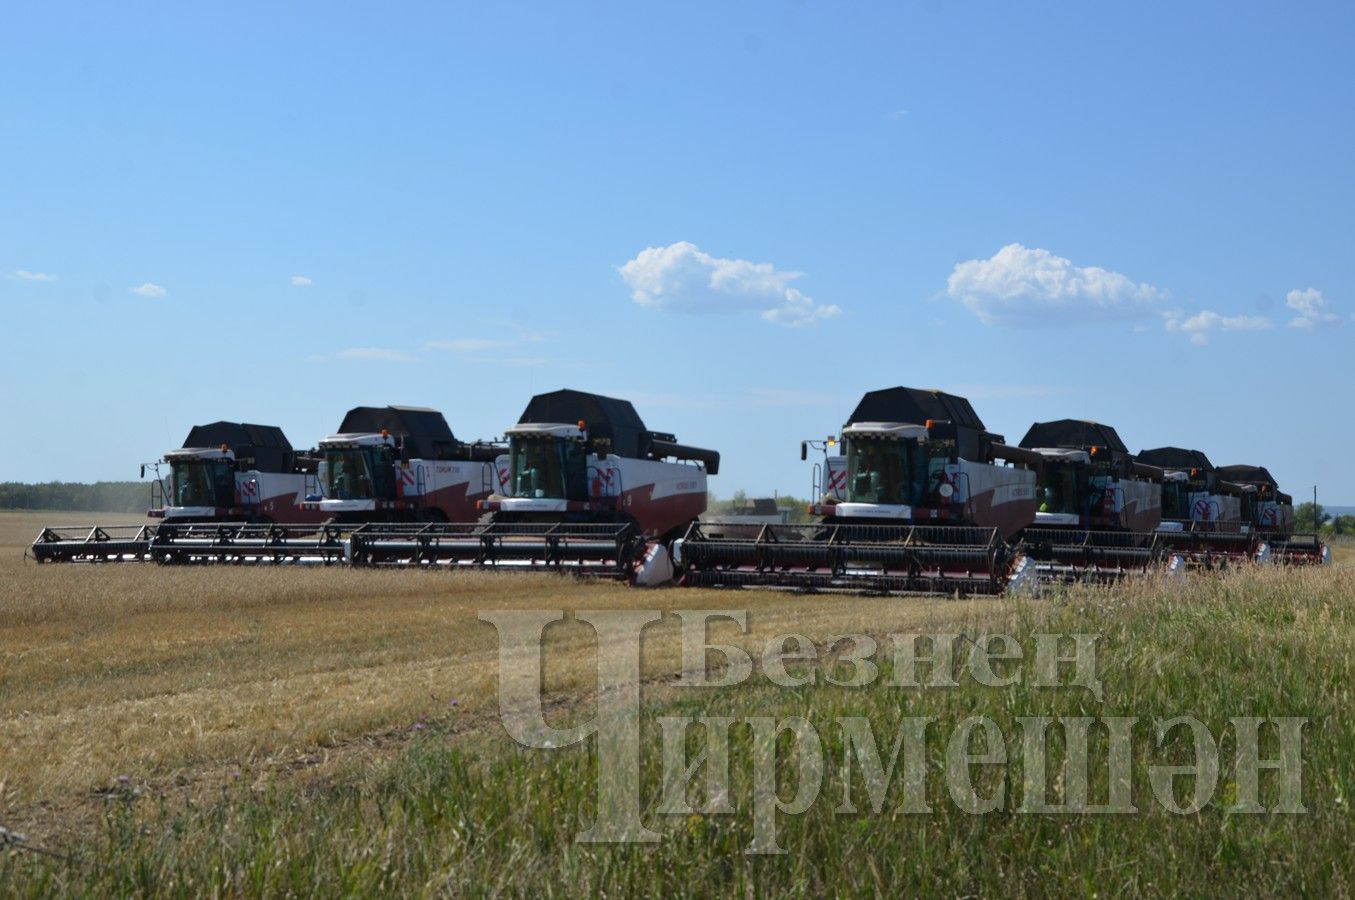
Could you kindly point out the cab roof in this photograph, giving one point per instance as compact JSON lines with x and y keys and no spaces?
{"x":1073,"y":434}
{"x":915,"y":406}
{"x":261,"y":447}
{"x":1176,"y":458}
{"x":424,"y":432}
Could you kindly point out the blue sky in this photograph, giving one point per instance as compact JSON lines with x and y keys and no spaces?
{"x":740,"y":216}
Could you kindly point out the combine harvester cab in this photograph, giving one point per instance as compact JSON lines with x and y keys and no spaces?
{"x":917,"y":503}
{"x":1270,"y":512}
{"x":1099,"y":508}
{"x":402,"y":464}
{"x":585,"y":487}
{"x":1202,"y":512}
{"x":236,"y":479}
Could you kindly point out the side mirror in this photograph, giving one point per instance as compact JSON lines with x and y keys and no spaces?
{"x":804,"y":450}
{"x":143,"y":470}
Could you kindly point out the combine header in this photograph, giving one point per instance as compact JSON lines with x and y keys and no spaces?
{"x":1202,"y":512}
{"x":586,"y":488}
{"x":402,"y":464}
{"x":919,"y":502}
{"x":93,"y":543}
{"x":1270,"y":512}
{"x":1099,"y":508}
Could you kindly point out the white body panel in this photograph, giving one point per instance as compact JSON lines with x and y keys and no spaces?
{"x":338,"y":506}
{"x":890,"y":430}
{"x":872,"y":511}
{"x":1048,"y":518}
{"x":528,"y":504}
{"x":186,"y":512}
{"x":1007,"y":483}
{"x":619,"y":476}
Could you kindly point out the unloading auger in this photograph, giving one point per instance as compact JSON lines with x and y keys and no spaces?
{"x":920,"y":498}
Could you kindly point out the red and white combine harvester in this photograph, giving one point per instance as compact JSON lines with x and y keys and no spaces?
{"x":230,"y":481}
{"x":402,"y":464}
{"x":1098,"y":507}
{"x":235,"y":472}
{"x":920,"y":498}
{"x":1271,"y":513}
{"x":587,"y":488}
{"x":1202,"y":512}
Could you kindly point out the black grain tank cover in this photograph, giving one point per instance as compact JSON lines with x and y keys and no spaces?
{"x":1257,"y":475}
{"x":261,"y":447}
{"x":914,"y":406}
{"x":1073,"y":434}
{"x":424,"y":432}
{"x":613,"y":426}
{"x":1176,"y":458}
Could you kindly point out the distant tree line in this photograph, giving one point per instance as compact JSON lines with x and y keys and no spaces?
{"x":103,"y":496}
{"x":1305,"y":514}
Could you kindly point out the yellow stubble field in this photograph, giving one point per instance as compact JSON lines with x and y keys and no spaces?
{"x":136,"y":672}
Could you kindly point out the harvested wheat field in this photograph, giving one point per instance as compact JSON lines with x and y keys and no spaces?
{"x":148,"y":672}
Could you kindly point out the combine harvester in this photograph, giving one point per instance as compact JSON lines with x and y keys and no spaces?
{"x":585,"y":488}
{"x":1099,"y":508}
{"x":402,"y":464}
{"x":919,"y":502}
{"x":1271,"y":513}
{"x":1202,"y":511}
{"x":233,"y":486}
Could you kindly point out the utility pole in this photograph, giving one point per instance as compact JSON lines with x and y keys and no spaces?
{"x":1316,"y":525}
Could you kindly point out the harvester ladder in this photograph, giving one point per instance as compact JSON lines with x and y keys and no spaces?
{"x":969,"y":508}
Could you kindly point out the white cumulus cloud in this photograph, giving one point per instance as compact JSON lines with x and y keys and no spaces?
{"x":1201,"y":323}
{"x":148,"y":289}
{"x":1313,"y":309}
{"x":1024,"y":286}
{"x":25,"y":275}
{"x":683,"y":278}
{"x":300,"y":281}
